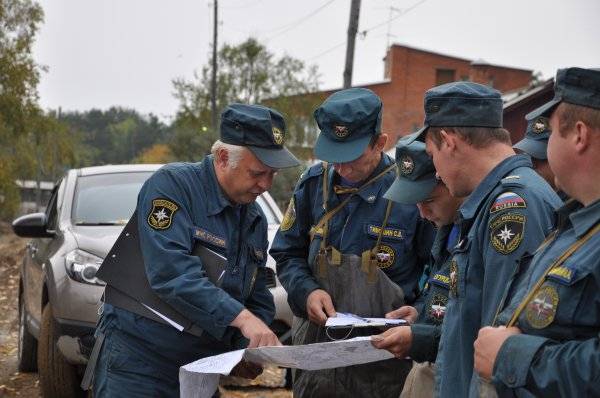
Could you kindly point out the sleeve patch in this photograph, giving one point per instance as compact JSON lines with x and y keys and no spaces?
{"x":290,"y":216}
{"x":508,"y":200}
{"x":161,"y":214}
{"x":507,"y":232}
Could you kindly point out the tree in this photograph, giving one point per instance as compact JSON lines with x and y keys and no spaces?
{"x":247,"y":73}
{"x":19,"y":76}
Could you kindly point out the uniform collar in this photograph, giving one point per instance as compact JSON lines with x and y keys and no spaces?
{"x":470,"y":206}
{"x":370,"y":193}
{"x":582,"y":218}
{"x":441,"y":239}
{"x":217,"y":201}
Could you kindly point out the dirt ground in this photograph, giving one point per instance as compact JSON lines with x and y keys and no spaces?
{"x":16,"y":384}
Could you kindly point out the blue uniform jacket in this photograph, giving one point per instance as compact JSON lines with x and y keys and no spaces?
{"x":433,"y":300}
{"x":558,"y":353}
{"x":180,"y":204}
{"x":407,"y":237}
{"x":508,"y":214}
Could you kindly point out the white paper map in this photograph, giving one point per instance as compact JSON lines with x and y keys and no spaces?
{"x":343,"y":319}
{"x":200,"y":379}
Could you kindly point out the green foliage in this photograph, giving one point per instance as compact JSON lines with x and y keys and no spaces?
{"x":114,"y":136}
{"x":247,"y":73}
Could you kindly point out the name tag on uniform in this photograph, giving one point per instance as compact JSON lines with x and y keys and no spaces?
{"x":392,"y":233}
{"x":562,"y":274}
{"x":440,"y":280}
{"x":208,"y":237}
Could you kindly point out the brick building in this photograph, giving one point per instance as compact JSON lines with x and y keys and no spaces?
{"x":409,"y":72}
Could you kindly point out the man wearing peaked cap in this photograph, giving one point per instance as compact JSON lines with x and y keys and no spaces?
{"x":343,"y":247}
{"x":535,"y":144}
{"x":417,"y":183}
{"x":182,"y":209}
{"x":507,"y":213}
{"x":548,"y":344}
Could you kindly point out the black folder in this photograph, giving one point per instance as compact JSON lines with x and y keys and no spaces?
{"x":127,"y":287}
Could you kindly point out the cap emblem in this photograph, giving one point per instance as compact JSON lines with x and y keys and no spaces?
{"x":278,"y":136}
{"x":341,"y":131}
{"x":407,"y":165}
{"x":540,"y":125}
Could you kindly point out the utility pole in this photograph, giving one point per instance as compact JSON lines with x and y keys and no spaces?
{"x":213,"y":84}
{"x":389,"y":25}
{"x":352,"y":29}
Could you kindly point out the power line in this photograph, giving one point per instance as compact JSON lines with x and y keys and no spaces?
{"x":363,"y":33}
{"x":292,"y":25}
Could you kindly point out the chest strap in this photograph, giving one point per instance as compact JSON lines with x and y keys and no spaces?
{"x":557,"y":263}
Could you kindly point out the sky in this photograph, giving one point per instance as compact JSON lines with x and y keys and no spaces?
{"x":103,"y":53}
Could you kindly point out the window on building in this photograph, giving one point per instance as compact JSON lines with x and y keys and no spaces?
{"x":443,"y":76}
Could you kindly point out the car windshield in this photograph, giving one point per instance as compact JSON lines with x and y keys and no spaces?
{"x":110,"y":199}
{"x":107,"y":199}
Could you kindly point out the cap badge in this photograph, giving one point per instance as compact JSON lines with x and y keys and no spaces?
{"x":341,"y":131}
{"x":278,"y":136}
{"x":407,"y":165}
{"x":540,"y":125}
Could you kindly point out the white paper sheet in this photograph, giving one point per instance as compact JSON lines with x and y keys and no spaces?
{"x":343,"y":319}
{"x":200,"y":379}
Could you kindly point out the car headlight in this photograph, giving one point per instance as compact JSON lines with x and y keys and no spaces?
{"x":82,"y":266}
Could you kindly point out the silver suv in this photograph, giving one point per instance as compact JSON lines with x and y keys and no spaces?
{"x":59,"y":295}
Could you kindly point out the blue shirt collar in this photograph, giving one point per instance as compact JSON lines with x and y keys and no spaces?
{"x":370,"y":193}
{"x":582,"y":218}
{"x":469,"y":208}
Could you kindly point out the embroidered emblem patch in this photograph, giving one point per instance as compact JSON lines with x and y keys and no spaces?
{"x":278,"y":136}
{"x":542,"y":308}
{"x":289,"y":217}
{"x":162,"y":212}
{"x":507,"y":232}
{"x":562,"y":274}
{"x":540,"y":125}
{"x":407,"y":165}
{"x":508,"y":200}
{"x":393,"y":233}
{"x":454,"y":278}
{"x":385,"y":256}
{"x":341,"y":131}
{"x":437,"y":308}
{"x":209,"y":237}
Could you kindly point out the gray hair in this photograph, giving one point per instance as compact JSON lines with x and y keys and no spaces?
{"x":234,"y":152}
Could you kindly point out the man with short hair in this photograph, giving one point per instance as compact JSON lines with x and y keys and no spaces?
{"x":508,"y":212}
{"x":183,"y":206}
{"x":343,"y":247}
{"x":420,"y":341}
{"x":550,"y":346}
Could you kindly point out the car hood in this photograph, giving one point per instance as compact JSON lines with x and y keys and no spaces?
{"x":96,"y":240}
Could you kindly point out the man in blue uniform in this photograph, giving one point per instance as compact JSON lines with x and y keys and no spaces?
{"x":535,"y":143}
{"x":419,"y":184}
{"x":550,"y":346}
{"x":210,"y":203}
{"x":509,"y":212}
{"x":343,"y":247}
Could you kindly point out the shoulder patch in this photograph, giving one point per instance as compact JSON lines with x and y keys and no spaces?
{"x":289,"y":217}
{"x":541,"y":309}
{"x":161,"y":214}
{"x":508,"y":200}
{"x":507,"y":232}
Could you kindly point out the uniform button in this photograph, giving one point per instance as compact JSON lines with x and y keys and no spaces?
{"x":512,"y":379}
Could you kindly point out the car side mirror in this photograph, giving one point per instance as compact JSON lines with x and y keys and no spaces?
{"x":32,"y":226}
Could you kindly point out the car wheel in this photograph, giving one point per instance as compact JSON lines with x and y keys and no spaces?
{"x":58,"y":378}
{"x":27,"y":344}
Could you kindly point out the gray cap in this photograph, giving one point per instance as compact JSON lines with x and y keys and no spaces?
{"x":576,"y":86}
{"x":416,"y":174}
{"x":535,"y":142}
{"x":461,"y":104}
